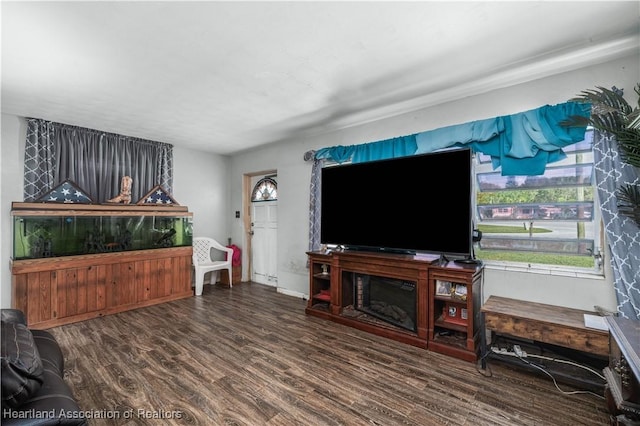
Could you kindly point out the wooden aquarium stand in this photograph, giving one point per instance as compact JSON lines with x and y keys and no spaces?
{"x":52,"y":291}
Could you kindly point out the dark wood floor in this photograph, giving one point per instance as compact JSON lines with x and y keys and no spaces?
{"x":250,"y":356}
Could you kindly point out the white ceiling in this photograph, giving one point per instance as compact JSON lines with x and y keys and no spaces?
{"x":230,"y":76}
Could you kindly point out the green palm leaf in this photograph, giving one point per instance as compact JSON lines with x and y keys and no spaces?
{"x":629,"y":201}
{"x":611,"y":113}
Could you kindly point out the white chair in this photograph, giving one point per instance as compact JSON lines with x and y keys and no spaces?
{"x":205,"y":263}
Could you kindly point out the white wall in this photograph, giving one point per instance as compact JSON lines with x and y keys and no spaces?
{"x":200,"y":183}
{"x":574,"y":291}
{"x":13,"y":135}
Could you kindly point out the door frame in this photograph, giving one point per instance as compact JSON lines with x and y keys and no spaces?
{"x":247,"y":188}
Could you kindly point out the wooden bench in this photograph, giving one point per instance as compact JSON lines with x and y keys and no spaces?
{"x":550,"y":324}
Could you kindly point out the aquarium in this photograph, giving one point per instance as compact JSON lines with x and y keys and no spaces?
{"x":53,"y":234}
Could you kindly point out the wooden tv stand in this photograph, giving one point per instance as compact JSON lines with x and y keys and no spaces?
{"x":333,"y":278}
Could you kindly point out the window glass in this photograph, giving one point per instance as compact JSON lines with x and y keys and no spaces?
{"x":266,"y":189}
{"x":548,"y":219}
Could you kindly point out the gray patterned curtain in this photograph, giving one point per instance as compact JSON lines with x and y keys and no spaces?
{"x":38,"y":159}
{"x":622,"y":233}
{"x":96,"y":161}
{"x":314,"y":206}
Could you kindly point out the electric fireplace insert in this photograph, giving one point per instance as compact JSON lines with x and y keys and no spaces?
{"x":389,"y":300}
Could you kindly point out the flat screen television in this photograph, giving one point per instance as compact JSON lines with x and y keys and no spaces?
{"x":414,"y":204}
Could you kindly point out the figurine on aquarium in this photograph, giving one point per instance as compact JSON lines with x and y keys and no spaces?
{"x":125,"y":191}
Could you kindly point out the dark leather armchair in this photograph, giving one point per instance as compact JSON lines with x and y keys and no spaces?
{"x":33,"y":388}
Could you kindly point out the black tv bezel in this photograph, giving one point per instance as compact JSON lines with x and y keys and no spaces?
{"x":427,"y":249}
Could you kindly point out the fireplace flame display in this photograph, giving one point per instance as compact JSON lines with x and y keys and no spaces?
{"x":390,"y":300}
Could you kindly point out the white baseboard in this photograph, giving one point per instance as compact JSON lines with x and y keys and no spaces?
{"x":292,"y":293}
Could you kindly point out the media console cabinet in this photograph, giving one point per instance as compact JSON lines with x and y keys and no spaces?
{"x":410,"y":299}
{"x":72,"y":262}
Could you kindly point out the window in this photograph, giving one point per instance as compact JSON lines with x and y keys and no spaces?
{"x":265,"y":190}
{"x":548,"y":219}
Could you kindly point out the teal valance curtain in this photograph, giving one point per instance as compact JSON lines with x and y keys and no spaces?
{"x":522,"y":143}
{"x":390,"y":148}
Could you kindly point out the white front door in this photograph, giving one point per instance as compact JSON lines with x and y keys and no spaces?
{"x":264,"y":216}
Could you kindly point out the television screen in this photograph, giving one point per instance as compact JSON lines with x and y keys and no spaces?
{"x":414,"y":204}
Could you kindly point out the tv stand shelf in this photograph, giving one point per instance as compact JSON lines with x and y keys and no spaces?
{"x":395,"y":296}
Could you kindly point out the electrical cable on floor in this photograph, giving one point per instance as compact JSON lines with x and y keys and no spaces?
{"x":518,"y":353}
{"x":568,"y":362}
{"x":555,"y":382}
{"x":487,"y":368}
